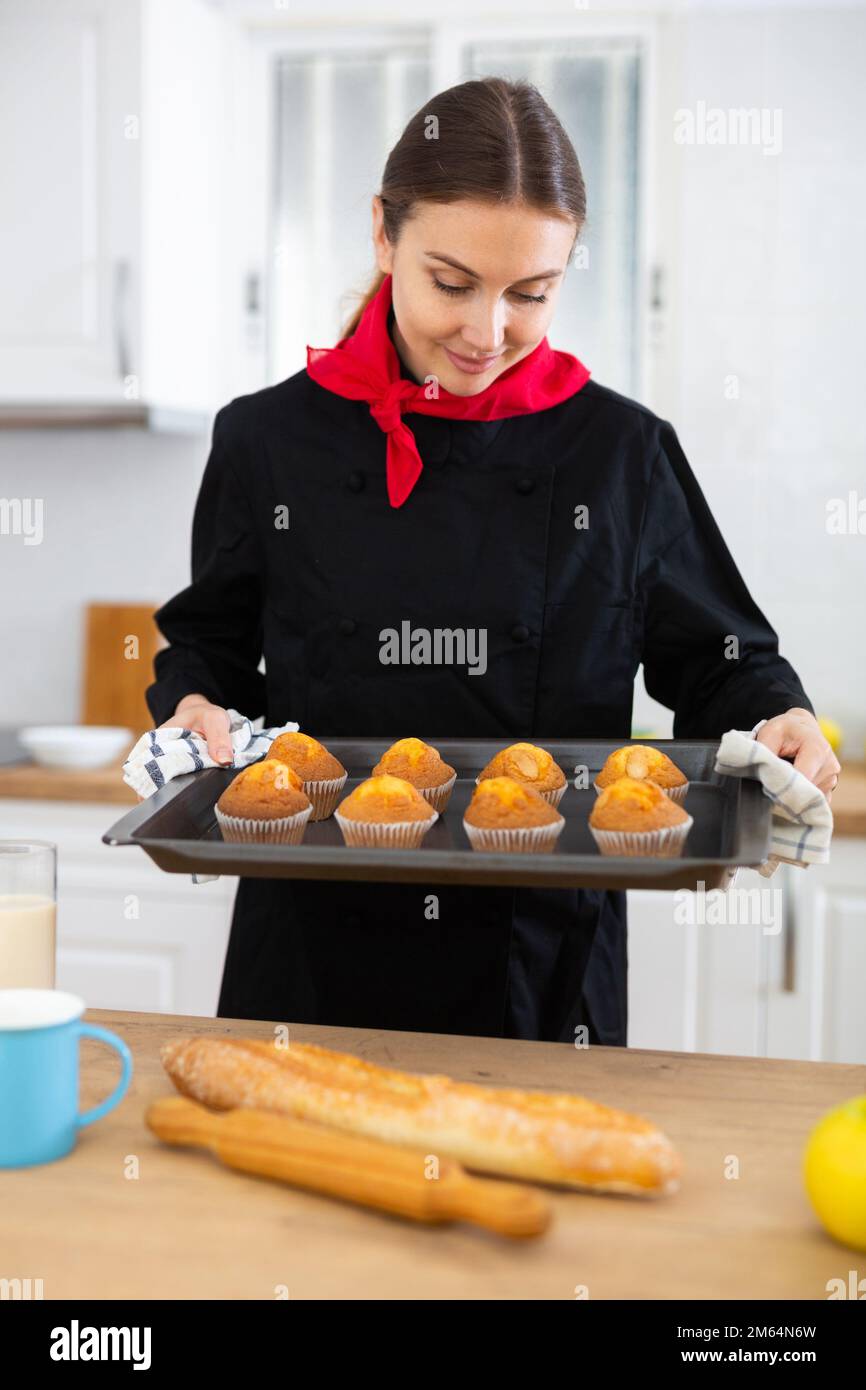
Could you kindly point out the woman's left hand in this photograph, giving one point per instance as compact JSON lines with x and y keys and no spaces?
{"x":798,"y":732}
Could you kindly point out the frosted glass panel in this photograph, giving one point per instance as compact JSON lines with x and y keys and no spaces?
{"x":337,"y":117}
{"x":594,"y":91}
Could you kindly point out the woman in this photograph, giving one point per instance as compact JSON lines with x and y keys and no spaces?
{"x":443,"y":466}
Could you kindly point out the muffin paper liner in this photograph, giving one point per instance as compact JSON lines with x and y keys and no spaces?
{"x":534,"y":839}
{"x":665,"y":843}
{"x":288,"y":830}
{"x":405,"y":834}
{"x":554,"y":796}
{"x":439,"y":797}
{"x":675,"y":793}
{"x":324,"y":794}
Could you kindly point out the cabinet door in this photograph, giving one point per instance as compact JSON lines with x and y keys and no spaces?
{"x":129,"y":936}
{"x":817,"y":969}
{"x":69,"y":164}
{"x":133,"y":937}
{"x":698,"y":965}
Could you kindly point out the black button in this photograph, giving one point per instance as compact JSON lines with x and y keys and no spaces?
{"x":348,"y":626}
{"x":525,"y":485}
{"x":519,"y":633}
{"x":356,"y":481}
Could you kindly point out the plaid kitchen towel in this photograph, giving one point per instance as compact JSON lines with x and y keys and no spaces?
{"x":161,"y":754}
{"x":802,"y":823}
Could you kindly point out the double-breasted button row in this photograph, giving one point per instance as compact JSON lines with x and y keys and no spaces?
{"x":348,"y":626}
{"x":357,"y":481}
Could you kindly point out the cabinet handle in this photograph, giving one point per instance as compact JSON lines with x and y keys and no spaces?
{"x":657,"y":292}
{"x":789,"y":935}
{"x":120,"y":297}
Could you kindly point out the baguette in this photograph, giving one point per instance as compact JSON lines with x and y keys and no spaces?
{"x":544,"y":1137}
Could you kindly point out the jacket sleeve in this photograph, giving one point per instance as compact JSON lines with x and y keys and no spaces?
{"x":214,"y":627}
{"x":708,"y":652}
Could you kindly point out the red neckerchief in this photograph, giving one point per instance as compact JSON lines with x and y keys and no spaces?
{"x":366,"y":367}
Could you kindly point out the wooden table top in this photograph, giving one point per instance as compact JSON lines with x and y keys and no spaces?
{"x":124,"y":1216}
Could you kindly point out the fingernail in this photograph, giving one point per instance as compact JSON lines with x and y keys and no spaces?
{"x":224,"y":755}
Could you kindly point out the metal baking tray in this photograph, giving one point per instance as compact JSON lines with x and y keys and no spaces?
{"x":177,"y":827}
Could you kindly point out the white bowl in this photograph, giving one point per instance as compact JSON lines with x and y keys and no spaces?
{"x":76,"y":745}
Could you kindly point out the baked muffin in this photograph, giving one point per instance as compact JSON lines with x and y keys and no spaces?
{"x":506,"y":814}
{"x":322,"y":774}
{"x":266,"y":803}
{"x":643,"y":763}
{"x":385,"y":812}
{"x":527,"y":763}
{"x":635,"y":817}
{"x":419,"y":763}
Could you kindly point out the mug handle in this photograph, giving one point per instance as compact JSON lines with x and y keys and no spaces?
{"x":89,"y":1030}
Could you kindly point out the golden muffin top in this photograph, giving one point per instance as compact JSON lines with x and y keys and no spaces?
{"x":265,"y":790}
{"x":502,"y":802}
{"x":642,"y":763}
{"x":632,"y":804}
{"x":385,"y":799}
{"x":310,"y":758}
{"x":525,"y":762}
{"x":416,"y":762}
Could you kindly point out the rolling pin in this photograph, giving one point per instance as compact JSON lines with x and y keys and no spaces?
{"x":368,"y":1171}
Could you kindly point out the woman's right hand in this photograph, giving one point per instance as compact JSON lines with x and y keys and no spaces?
{"x":197,"y":713}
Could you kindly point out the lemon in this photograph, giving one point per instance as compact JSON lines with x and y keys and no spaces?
{"x":834,"y":1171}
{"x":831,"y":731}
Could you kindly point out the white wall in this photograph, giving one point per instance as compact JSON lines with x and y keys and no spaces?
{"x":764,"y":265}
{"x":764,"y":271}
{"x":117,"y":508}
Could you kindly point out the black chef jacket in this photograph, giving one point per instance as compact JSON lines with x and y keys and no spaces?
{"x":580,"y":540}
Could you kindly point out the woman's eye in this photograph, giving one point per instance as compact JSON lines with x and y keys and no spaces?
{"x":464,"y":289}
{"x":450,"y":289}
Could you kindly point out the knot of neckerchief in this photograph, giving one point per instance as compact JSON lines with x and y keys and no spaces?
{"x":366,"y":367}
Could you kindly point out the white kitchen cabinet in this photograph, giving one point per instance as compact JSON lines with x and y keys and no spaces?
{"x":126,"y":254}
{"x":817,"y":966}
{"x":70,"y":238}
{"x":788,"y":981}
{"x":697,"y":984}
{"x":129,"y":936}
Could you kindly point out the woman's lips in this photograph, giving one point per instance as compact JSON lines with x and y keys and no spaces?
{"x":472,"y":365}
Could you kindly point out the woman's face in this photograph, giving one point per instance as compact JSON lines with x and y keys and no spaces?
{"x":474,"y":287}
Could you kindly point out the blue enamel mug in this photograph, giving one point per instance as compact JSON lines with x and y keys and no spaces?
{"x":39,"y":1033}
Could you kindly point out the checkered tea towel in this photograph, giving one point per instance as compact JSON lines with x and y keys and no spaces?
{"x":161,"y":754}
{"x":802,"y":822}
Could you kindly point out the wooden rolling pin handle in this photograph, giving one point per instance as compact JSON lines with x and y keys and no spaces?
{"x":508,"y":1208}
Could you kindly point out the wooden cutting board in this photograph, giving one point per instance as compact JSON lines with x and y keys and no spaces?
{"x":120,"y":642}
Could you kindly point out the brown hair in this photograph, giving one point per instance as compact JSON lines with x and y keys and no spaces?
{"x":492,"y":140}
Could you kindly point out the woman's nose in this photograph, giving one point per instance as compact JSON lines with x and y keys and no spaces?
{"x":484,"y":328}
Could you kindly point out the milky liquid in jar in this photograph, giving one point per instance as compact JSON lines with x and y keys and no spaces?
{"x":27,"y":941}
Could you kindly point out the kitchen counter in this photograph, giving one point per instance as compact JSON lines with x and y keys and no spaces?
{"x":125,"y":1216}
{"x":35,"y":783}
